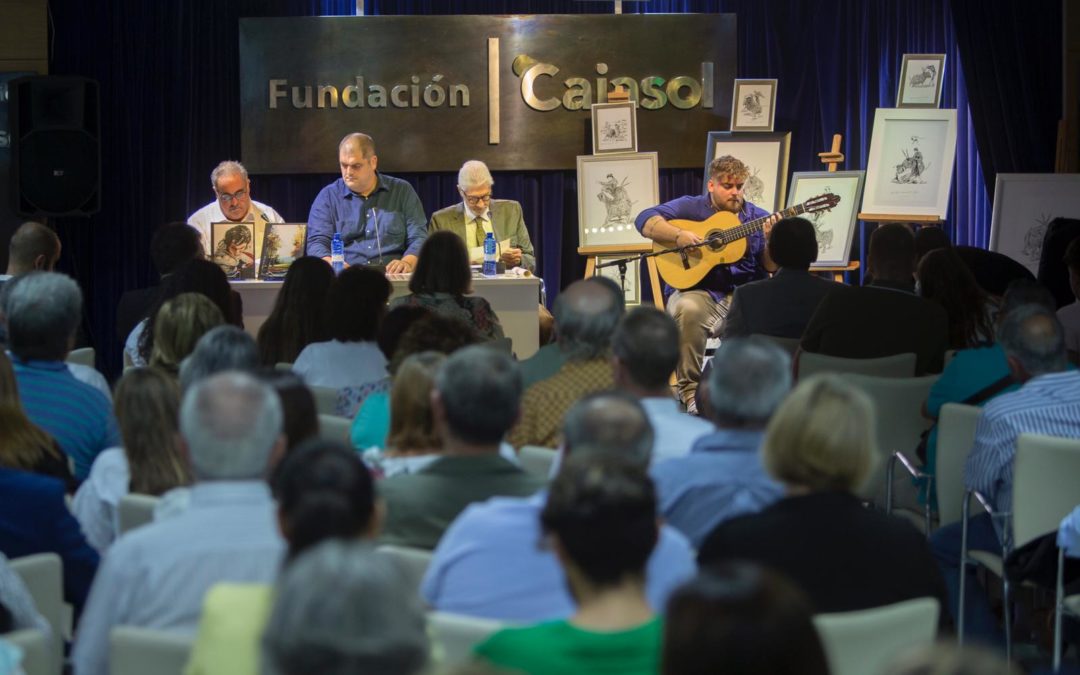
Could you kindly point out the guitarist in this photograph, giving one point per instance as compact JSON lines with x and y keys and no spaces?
{"x":700,"y":310}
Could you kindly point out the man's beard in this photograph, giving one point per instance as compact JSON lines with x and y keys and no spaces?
{"x":729,"y":205}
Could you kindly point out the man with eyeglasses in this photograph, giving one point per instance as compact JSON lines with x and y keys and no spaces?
{"x":478,"y":213}
{"x":232,"y":203}
{"x":379,"y":217}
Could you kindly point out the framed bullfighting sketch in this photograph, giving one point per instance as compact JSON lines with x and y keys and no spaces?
{"x":921,"y":76}
{"x":910,"y":168}
{"x":612,"y":191}
{"x":834,"y":228}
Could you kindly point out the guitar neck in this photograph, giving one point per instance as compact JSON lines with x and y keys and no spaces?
{"x":748,"y":228}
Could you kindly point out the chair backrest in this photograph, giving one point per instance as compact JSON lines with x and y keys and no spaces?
{"x":283,"y":365}
{"x":454,"y":635}
{"x":43,"y":574}
{"x":325,"y":400}
{"x":866,"y":641}
{"x":414,"y":561}
{"x":38,"y":656}
{"x":334,"y":428}
{"x":1045,"y":485}
{"x":897,"y":365}
{"x":143,"y":651}
{"x":83,"y":356}
{"x":537,"y":460}
{"x":897,"y":407}
{"x":135,"y":510}
{"x":504,"y":344}
{"x":956,"y":434}
{"x":789,"y":345}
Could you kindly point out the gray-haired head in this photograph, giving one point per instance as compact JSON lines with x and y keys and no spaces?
{"x":43,"y":310}
{"x":1034,"y":337}
{"x":586,"y":314}
{"x":220,"y":349}
{"x":227,"y":168}
{"x":646,"y":344}
{"x":344,"y":608}
{"x":231,"y":423}
{"x":748,"y":380}
{"x":474,"y":174}
{"x":608,"y":423}
{"x":480,"y":391}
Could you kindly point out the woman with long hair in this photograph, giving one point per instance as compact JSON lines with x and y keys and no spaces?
{"x":151,"y":461}
{"x":297,"y":318}
{"x":945,"y":279}
{"x":24,"y":445}
{"x":178,"y":326}
{"x":413,"y":441}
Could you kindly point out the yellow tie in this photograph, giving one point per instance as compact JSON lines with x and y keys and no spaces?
{"x":480,"y":235}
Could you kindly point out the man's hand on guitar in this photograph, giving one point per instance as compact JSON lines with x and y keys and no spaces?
{"x":767,"y":226}
{"x":686,"y":238}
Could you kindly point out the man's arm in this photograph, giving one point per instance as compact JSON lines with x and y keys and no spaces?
{"x":991,"y":451}
{"x":522,"y":254}
{"x":108,"y":606}
{"x":320,"y":229}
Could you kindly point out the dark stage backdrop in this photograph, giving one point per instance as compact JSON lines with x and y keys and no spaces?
{"x":170,"y":110}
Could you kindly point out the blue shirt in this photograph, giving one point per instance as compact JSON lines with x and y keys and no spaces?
{"x":722,"y":279}
{"x":386,"y":225}
{"x":1069,"y":534}
{"x":721,"y":478}
{"x":76,"y":414}
{"x":491,"y":563}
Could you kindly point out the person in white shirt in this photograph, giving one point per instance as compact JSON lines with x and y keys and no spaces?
{"x":232,"y":203}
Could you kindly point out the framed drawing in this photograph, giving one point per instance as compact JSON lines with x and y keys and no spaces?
{"x":834,"y":228}
{"x":612,"y":191}
{"x":921,"y":76}
{"x":283,"y":243}
{"x":765,"y":154}
{"x":631,"y":284}
{"x":614,"y":127}
{"x":753,"y":105}
{"x":910,"y":168}
{"x":232,"y":247}
{"x":1024,"y":204}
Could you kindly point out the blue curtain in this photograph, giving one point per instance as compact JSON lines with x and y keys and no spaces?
{"x":170,"y":112}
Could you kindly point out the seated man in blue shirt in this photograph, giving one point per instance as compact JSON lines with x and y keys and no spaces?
{"x":698,"y":310}
{"x":379,"y":217}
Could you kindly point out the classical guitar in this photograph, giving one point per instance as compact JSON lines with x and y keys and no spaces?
{"x":724,"y":241}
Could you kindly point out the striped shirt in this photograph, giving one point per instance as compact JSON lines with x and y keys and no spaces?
{"x":1047,"y":404}
{"x":76,"y":414}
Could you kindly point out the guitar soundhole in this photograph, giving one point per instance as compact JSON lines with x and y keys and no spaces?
{"x":715,"y":239}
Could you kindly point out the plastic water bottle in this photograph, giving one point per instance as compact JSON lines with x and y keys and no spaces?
{"x":489,"y":255}
{"x":337,"y":253}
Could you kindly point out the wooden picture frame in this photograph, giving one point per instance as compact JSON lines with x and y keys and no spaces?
{"x":614,"y":128}
{"x":921,"y":78}
{"x":910,"y":168}
{"x":612,"y":191}
{"x":232,"y":247}
{"x":753,"y":105}
{"x":835,"y":228}
{"x":765,"y":155}
{"x":1024,"y":206}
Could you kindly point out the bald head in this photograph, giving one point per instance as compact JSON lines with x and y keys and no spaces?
{"x":360,"y":143}
{"x":586,"y":314}
{"x":609,"y":423}
{"x":33,"y":247}
{"x":1034,"y":341}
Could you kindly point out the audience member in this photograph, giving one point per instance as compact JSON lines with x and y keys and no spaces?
{"x":42,"y":315}
{"x":157,"y":575}
{"x":324,"y":492}
{"x":193,"y":276}
{"x":354,"y":306}
{"x":600,"y":520}
{"x":441,"y":281}
{"x":344,"y":608}
{"x":413,"y":441}
{"x":943,"y":278}
{"x":930,"y":238}
{"x":300,"y":417}
{"x":586,"y":314}
{"x":474,"y":402}
{"x":723,"y":477}
{"x":993,"y":271}
{"x":820,"y":445}
{"x":1047,"y":403}
{"x":886,"y":317}
{"x":172,"y":245}
{"x":150,"y":461}
{"x":33,"y":248}
{"x":16,"y":598}
{"x":177,"y":327}
{"x":645,"y":349}
{"x":219,"y":349}
{"x":1069,"y":315}
{"x":488,"y":564}
{"x":23,"y":445}
{"x":297,"y":319}
{"x":782,"y":304}
{"x":740,"y":618}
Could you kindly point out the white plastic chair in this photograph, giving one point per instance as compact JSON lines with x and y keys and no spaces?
{"x":142,"y":651}
{"x":865,"y":642}
{"x":789,"y":345}
{"x":956,"y":435}
{"x":83,"y":356}
{"x":325,"y":400}
{"x":413,"y":561}
{"x":43,"y":574}
{"x":135,"y":510}
{"x":897,"y":365}
{"x":454,"y":635}
{"x":334,"y":428}
{"x":39,"y":658}
{"x":537,"y":460}
{"x":283,"y":365}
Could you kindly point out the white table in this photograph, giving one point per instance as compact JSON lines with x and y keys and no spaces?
{"x":514,"y":300}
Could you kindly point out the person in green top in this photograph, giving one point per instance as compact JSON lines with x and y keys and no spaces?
{"x":600,"y":520}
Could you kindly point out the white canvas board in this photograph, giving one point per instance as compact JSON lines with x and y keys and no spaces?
{"x":909,"y":171}
{"x":1024,"y":205}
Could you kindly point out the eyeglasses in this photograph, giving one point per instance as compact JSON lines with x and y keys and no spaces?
{"x":478,"y":199}
{"x":230,"y":198}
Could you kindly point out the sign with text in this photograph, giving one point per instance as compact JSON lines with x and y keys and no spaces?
{"x":513,"y":91}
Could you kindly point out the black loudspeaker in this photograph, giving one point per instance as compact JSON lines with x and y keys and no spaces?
{"x":56,"y":146}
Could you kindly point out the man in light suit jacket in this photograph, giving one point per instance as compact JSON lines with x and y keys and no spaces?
{"x":781,"y":306}
{"x":477,"y":214}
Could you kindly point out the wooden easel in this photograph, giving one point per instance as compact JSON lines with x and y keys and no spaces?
{"x":831,"y":159}
{"x":625,"y":250}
